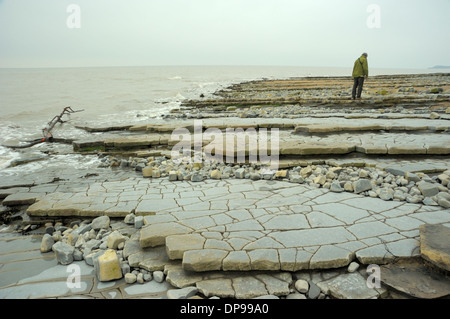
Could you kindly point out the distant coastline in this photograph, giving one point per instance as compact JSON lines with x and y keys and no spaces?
{"x":440,"y":67}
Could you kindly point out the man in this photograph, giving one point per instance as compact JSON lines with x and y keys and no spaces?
{"x":360,"y":71}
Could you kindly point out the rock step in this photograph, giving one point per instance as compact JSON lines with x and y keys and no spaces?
{"x":368,"y":143}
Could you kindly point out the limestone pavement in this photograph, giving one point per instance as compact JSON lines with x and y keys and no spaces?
{"x":222,"y":236}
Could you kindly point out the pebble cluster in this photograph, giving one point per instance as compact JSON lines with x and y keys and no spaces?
{"x":100,"y":243}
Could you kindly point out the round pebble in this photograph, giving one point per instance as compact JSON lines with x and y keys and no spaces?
{"x":302,"y":286}
{"x":158,"y":276}
{"x":130,"y":278}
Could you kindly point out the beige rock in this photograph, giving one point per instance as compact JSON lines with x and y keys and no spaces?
{"x":216,"y":174}
{"x":115,"y":239}
{"x":156,"y":173}
{"x":108,"y":266}
{"x":281,"y":174}
{"x":147,"y":171}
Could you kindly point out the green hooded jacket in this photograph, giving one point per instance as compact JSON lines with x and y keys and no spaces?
{"x":360,"y":69}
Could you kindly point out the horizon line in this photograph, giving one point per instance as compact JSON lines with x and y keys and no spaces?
{"x":214,"y":65}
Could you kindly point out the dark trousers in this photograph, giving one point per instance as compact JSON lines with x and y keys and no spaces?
{"x":357,"y":87}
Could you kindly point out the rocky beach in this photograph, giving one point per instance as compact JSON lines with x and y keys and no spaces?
{"x":281,"y":189}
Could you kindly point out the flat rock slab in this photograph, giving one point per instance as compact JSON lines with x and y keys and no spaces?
{"x":435,"y":245}
{"x":21,"y":199}
{"x":235,"y":284}
{"x":415,"y":279}
{"x":350,"y":286}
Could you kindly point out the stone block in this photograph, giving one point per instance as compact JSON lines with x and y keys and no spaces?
{"x":114,"y":239}
{"x":428,"y":189}
{"x":100,"y":222}
{"x":107,"y":266}
{"x":147,"y":171}
{"x":176,"y":245}
{"x":155,"y":234}
{"x":203,"y":260}
{"x":362,"y":185}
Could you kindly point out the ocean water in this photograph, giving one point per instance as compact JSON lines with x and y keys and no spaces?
{"x":30,"y":98}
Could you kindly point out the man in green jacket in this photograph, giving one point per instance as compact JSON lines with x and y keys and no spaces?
{"x":360,"y":71}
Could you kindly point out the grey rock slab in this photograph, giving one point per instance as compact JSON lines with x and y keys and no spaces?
{"x":220,"y":287}
{"x":156,"y":205}
{"x":415,"y":279}
{"x":178,"y":277}
{"x":342,"y":212}
{"x":435,"y":245}
{"x":246,"y":225}
{"x":44,"y":290}
{"x":318,"y":219}
{"x":21,"y":199}
{"x":312,"y":237}
{"x":286,"y":222}
{"x":274,"y":286}
{"x":146,"y":290}
{"x":428,"y":189}
{"x":351,"y":286}
{"x":248,"y":287}
{"x":236,"y":260}
{"x":404,"y":248}
{"x":370,"y":229}
{"x":330,"y":256}
{"x":404,"y":223}
{"x":377,"y":254}
{"x":264,"y":259}
{"x":263,"y":243}
{"x":203,"y":260}
{"x":371,"y":204}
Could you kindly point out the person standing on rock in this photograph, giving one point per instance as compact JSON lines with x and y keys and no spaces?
{"x":360,"y":72}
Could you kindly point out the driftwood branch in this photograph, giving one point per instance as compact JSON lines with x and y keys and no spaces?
{"x":46,"y":132}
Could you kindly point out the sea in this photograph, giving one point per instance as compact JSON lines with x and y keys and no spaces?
{"x":31,"y":97}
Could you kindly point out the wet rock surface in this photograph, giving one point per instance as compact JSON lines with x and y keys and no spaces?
{"x":358,"y":184}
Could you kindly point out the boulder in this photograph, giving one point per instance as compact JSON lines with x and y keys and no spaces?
{"x":216,"y":174}
{"x":147,"y":171}
{"x":240,"y":173}
{"x":107,"y":266}
{"x":114,"y":239}
{"x":100,"y":222}
{"x":47,"y":243}
{"x":64,"y":252}
{"x":362,"y":185}
{"x":428,"y":189}
{"x":336,"y":187}
{"x":183,"y":293}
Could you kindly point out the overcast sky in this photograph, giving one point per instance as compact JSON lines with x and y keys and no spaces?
{"x":405,"y":33}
